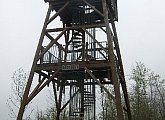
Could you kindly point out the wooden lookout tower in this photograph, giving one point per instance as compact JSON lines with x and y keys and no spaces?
{"x":78,"y":49}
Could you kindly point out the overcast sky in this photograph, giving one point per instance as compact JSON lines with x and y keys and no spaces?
{"x":141,"y":32}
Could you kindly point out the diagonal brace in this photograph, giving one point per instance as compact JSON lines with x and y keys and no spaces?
{"x":69,"y":100}
{"x":51,"y":44}
{"x":57,"y":13}
{"x":96,"y":41}
{"x":110,"y":96}
{"x":41,"y":87}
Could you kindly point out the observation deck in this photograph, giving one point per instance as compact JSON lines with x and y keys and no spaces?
{"x":79,"y":12}
{"x":96,"y":59}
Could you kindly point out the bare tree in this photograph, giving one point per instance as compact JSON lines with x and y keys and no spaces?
{"x":19,"y":79}
{"x":50,"y":113}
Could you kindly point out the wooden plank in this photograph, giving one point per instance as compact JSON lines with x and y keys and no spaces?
{"x":90,"y":64}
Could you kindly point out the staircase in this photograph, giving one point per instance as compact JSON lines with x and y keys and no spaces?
{"x":76,"y":44}
{"x":83,"y":104}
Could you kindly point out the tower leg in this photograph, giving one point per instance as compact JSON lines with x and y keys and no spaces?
{"x":115,"y":76}
{"x":122,"y":76}
{"x":29,"y":82}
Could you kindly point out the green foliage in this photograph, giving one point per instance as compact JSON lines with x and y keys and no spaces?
{"x":147,"y":96}
{"x":143,"y":98}
{"x":138,"y":96}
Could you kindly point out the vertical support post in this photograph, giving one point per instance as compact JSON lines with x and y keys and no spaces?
{"x":29,"y":82}
{"x":94,"y":92}
{"x":82,"y":97}
{"x":55,"y":94}
{"x":115,"y":76}
{"x":59,"y":100}
{"x":66,"y":42}
{"x":83,"y":45}
{"x":86,"y":51}
{"x":94,"y":43}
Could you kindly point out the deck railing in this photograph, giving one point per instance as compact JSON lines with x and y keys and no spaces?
{"x":93,"y":51}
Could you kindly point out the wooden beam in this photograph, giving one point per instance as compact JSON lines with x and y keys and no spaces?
{"x":58,"y":12}
{"x":90,"y":64}
{"x":42,"y":86}
{"x":30,"y":79}
{"x":77,"y":27}
{"x":115,"y":76}
{"x":95,"y":40}
{"x":54,"y":41}
{"x":110,"y":96}
{"x":69,"y":101}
